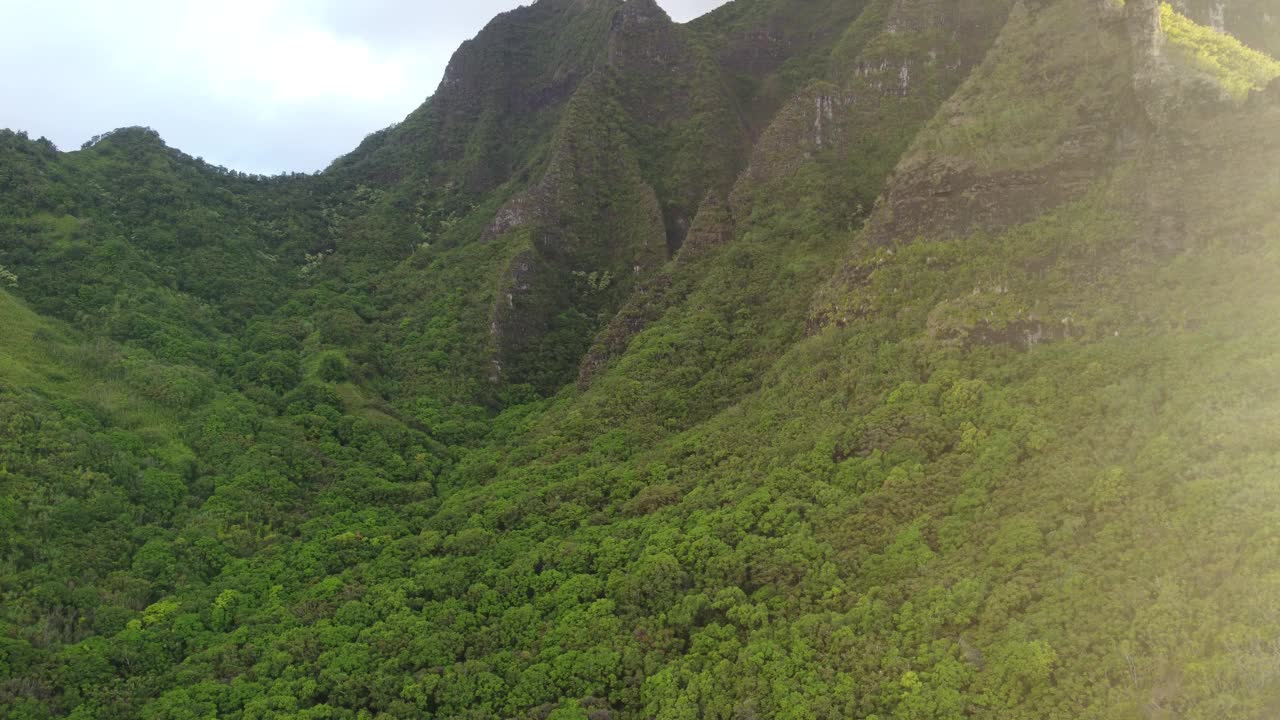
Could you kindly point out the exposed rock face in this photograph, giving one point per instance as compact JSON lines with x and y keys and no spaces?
{"x":578,"y":250}
{"x":1022,"y":331}
{"x":509,"y":324}
{"x":517,"y":212}
{"x":948,"y":198}
{"x":1176,"y":74}
{"x":1150,"y":68}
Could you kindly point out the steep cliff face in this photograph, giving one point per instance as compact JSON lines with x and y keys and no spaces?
{"x":978,"y":155}
{"x":820,"y":164}
{"x":770,"y":48}
{"x":651,"y":298}
{"x":1089,"y":106}
{"x":887,"y":75}
{"x":1090,"y":198}
{"x":587,"y":232}
{"x":500,"y":96}
{"x":680,"y":112}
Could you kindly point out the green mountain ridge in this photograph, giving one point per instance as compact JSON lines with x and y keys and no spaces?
{"x":814,"y":359}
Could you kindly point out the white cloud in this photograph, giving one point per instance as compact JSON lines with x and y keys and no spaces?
{"x":249,"y":50}
{"x":258,"y":85}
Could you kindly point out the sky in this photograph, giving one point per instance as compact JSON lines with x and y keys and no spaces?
{"x":261,"y":86}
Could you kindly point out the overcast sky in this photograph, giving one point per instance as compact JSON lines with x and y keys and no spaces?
{"x":262,"y":86}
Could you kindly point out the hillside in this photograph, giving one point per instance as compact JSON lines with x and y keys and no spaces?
{"x":813,"y":359}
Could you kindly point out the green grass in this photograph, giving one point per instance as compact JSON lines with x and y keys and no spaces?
{"x":22,"y":364}
{"x":1238,"y":68}
{"x":40,"y":358}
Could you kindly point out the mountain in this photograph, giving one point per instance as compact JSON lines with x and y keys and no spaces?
{"x":813,"y":359}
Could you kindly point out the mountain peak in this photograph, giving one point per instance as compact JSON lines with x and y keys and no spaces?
{"x":130,"y":136}
{"x":640,"y":12}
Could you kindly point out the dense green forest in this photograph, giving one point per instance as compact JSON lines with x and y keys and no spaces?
{"x":892,"y":359}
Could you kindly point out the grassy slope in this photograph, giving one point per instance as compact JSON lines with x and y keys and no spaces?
{"x":42,"y":358}
{"x":1236,"y":67}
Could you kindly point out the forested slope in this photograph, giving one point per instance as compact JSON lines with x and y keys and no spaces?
{"x":885,"y":359}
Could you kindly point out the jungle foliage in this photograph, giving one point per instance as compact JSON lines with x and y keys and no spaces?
{"x":721,"y":370}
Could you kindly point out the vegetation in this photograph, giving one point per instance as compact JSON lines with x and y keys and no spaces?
{"x":880,"y":433}
{"x":1237,"y":67}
